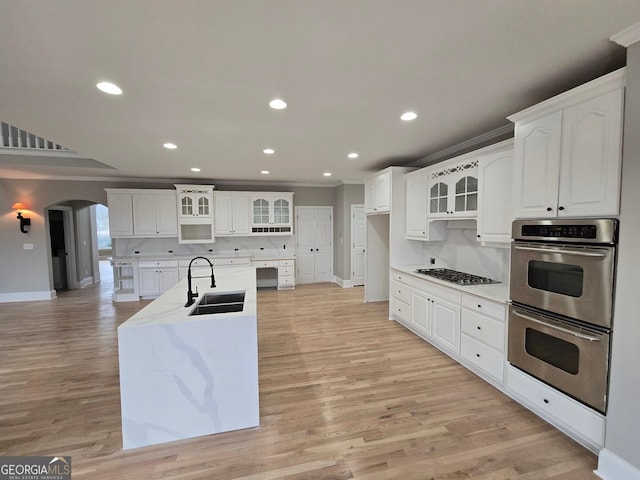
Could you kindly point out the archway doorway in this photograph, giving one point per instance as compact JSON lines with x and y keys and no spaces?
{"x":74,"y":252}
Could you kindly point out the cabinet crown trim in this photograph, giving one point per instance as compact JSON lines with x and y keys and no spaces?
{"x":589,"y":90}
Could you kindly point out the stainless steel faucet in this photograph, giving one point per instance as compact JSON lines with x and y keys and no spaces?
{"x":190,"y":295}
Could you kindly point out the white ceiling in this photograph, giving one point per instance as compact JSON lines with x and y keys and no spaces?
{"x":200,"y":73}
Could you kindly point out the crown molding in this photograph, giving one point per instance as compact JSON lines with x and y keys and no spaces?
{"x":628,"y":36}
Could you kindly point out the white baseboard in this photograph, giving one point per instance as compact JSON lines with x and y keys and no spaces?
{"x":85,"y":282}
{"x":612,"y":467}
{"x":27,"y":296}
{"x":343,"y":283}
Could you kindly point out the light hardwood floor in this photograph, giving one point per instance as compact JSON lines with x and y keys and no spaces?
{"x":344,"y":393}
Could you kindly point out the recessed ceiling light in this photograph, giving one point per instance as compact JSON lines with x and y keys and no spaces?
{"x":170,"y":146}
{"x":327,"y":174}
{"x":269,"y":151}
{"x":264,"y":172}
{"x":110,"y":88}
{"x":195,"y":169}
{"x":353,"y":155}
{"x":278,"y":104}
{"x":407,"y":116}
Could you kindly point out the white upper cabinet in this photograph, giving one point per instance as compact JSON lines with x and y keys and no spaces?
{"x":120,"y":205}
{"x":495,"y":205}
{"x":154,"y":214}
{"x":195,"y":213}
{"x":232,"y":213}
{"x":377,"y":194}
{"x":272,"y":213}
{"x":453,"y":190}
{"x":195,"y":201}
{"x":567,"y":157}
{"x":142,"y":213}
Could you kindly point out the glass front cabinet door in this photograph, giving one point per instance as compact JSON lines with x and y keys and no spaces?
{"x":271,"y":213}
{"x":453,"y":190}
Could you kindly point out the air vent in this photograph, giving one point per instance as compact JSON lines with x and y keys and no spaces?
{"x":14,"y":137}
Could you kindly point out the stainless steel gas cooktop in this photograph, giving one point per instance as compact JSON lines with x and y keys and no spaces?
{"x":454,"y":276}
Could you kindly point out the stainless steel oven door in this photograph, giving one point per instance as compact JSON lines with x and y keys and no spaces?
{"x":572,"y":281}
{"x":572,"y":359}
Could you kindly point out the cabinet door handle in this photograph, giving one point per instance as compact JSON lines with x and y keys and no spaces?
{"x":478,"y":355}
{"x":479,"y":327}
{"x":479,"y":306}
{"x":560,"y":208}
{"x":311,"y":250}
{"x":549,"y":209}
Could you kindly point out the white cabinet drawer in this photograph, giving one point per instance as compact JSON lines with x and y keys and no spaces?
{"x":265,"y":263}
{"x":285,"y":271}
{"x":157,"y":263}
{"x":401,"y":277}
{"x":484,"y":306}
{"x":485,"y":329}
{"x":484,"y":357}
{"x":286,"y":281}
{"x":231,"y":261}
{"x":400,"y":309}
{"x":401,"y":291}
{"x":432,"y":288}
{"x":286,"y":263}
{"x":564,"y":411}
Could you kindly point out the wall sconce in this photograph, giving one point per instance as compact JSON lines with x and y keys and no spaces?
{"x":24,"y":221}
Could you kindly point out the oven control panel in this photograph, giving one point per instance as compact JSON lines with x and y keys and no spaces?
{"x":564,"y":231}
{"x":602,"y":231}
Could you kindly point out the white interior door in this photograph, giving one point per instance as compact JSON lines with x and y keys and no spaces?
{"x":314,"y":256}
{"x":358,"y":242}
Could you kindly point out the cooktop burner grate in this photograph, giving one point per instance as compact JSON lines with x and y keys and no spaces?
{"x":454,"y":276}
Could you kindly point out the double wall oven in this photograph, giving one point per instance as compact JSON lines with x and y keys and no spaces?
{"x":562,"y":286}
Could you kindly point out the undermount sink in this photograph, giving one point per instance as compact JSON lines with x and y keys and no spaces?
{"x":212,"y":303}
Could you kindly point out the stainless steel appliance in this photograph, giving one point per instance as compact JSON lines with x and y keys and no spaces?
{"x":453,"y":276}
{"x":562,"y":286}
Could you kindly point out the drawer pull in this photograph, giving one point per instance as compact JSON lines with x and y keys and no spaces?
{"x":478,"y":355}
{"x":479,"y":328}
{"x":545,"y":400}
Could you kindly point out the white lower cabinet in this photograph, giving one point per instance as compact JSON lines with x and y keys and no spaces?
{"x":576,"y":420}
{"x":473,"y":331}
{"x":285,"y":271}
{"x":483,"y":334}
{"x":155,"y":277}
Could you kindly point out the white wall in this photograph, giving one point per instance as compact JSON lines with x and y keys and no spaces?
{"x":623,"y":418}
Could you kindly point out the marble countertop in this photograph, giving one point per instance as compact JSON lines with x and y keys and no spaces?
{"x":169,"y":307}
{"x":498,"y":292}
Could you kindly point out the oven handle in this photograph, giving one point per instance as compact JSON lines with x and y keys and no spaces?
{"x":557,"y":250}
{"x":561,"y":329}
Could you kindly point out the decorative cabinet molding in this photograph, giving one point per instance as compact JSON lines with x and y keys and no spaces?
{"x":567,"y":157}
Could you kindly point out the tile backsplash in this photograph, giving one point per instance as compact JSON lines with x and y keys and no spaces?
{"x":461,"y":251}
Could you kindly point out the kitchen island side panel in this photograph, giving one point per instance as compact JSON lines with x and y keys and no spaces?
{"x":188,"y":379}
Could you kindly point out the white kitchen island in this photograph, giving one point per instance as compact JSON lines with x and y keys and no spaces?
{"x":184,"y":376}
